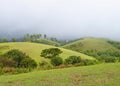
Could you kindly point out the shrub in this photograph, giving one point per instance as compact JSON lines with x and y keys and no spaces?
{"x":28,"y":63}
{"x":45,"y":65}
{"x":110,"y":59}
{"x":7,"y":62}
{"x":56,"y":61}
{"x":89,"y":62}
{"x":73,"y":60}
{"x":50,"y":53}
{"x":16,"y":55}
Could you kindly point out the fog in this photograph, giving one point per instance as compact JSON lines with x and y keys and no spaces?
{"x":64,"y":19}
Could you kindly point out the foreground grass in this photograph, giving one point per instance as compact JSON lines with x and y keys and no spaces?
{"x":96,"y":75}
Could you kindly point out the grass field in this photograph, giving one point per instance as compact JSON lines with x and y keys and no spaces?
{"x":34,"y":50}
{"x":95,"y":75}
{"x":98,"y":44}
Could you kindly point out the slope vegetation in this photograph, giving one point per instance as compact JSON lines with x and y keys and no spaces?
{"x":34,"y":50}
{"x":90,"y":44}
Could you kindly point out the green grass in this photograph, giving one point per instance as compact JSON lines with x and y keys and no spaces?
{"x":48,"y":42}
{"x":95,"y":75}
{"x":34,"y":50}
{"x":84,"y":44}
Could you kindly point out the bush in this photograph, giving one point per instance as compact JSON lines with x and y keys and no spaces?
{"x":28,"y":63}
{"x":110,"y":59}
{"x":56,"y":61}
{"x":18,"y":59}
{"x":15,"y":55}
{"x":73,"y":60}
{"x":7,"y":62}
{"x":10,"y":70}
{"x":50,"y":53}
{"x":89,"y":62}
{"x":45,"y":65}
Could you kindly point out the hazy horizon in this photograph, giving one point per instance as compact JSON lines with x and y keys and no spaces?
{"x":64,"y":19}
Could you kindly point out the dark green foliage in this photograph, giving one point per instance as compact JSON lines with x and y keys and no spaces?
{"x":14,"y":40}
{"x":73,"y":60}
{"x":28,"y":63}
{"x":7,"y":62}
{"x":115,"y":44}
{"x":16,"y":55}
{"x":50,"y":53}
{"x":109,"y":54}
{"x":45,"y":64}
{"x":56,"y":61}
{"x":89,"y":62}
{"x":20,"y":59}
{"x":110,"y":59}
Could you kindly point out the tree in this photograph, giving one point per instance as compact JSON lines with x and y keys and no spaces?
{"x":45,"y":36}
{"x":73,"y":60}
{"x":13,"y":39}
{"x":56,"y":61}
{"x":16,"y":55}
{"x":28,"y":63}
{"x":50,"y":53}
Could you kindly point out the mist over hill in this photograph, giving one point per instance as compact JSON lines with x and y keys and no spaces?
{"x":60,"y":18}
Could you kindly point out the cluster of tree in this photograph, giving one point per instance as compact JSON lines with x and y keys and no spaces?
{"x":115,"y":44}
{"x":2,"y":40}
{"x":56,"y":60}
{"x":16,"y":59}
{"x":109,"y":55}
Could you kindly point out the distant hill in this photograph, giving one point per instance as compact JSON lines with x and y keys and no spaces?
{"x":95,"y":47}
{"x":47,"y":41}
{"x":34,"y":50}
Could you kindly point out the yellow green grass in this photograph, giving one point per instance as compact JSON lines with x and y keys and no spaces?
{"x":34,"y":50}
{"x":95,"y":75}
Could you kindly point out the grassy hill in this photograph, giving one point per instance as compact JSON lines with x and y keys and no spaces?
{"x":34,"y":50}
{"x":95,"y":75}
{"x":47,"y":41}
{"x":89,"y":44}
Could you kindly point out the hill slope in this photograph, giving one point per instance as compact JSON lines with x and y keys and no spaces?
{"x":34,"y":50}
{"x":95,"y":75}
{"x":90,"y":44}
{"x":47,"y":41}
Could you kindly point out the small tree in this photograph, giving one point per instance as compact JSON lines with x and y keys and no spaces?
{"x":16,"y":55}
{"x":73,"y":60}
{"x":50,"y":53}
{"x":56,"y":61}
{"x":28,"y":63}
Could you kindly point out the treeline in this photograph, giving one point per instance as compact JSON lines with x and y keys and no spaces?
{"x":115,"y":44}
{"x":110,"y":55}
{"x":37,"y":38}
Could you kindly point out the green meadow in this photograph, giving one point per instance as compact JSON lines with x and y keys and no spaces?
{"x":95,"y":75}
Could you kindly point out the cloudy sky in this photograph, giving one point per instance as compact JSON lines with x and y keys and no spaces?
{"x":61,"y":18}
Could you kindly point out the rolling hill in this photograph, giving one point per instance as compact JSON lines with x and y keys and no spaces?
{"x":95,"y":75}
{"x":34,"y":50}
{"x":46,"y":41}
{"x":95,"y":47}
{"x":89,"y":44}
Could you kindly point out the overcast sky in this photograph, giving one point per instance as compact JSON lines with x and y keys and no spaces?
{"x":61,"y":18}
